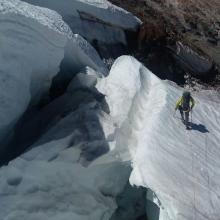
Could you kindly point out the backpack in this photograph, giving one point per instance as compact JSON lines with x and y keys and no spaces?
{"x":186,"y":101}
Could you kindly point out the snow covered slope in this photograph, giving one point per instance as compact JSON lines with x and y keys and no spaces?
{"x":91,"y":19}
{"x":181,"y":167}
{"x":34,"y":41}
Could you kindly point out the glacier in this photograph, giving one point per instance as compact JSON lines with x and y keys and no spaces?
{"x":84,"y":160}
{"x":29,"y":32}
{"x":95,"y":20}
{"x":81,"y":152}
{"x":179,"y":166}
{"x":59,"y":176}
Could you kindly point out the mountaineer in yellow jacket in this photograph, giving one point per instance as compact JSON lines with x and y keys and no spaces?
{"x":185,"y":104}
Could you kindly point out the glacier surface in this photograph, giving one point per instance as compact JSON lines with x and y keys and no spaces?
{"x":179,"y":166}
{"x":28,"y":32}
{"x":82,"y":144}
{"x":81,"y":164}
{"x":58,"y":177}
{"x":95,"y":20}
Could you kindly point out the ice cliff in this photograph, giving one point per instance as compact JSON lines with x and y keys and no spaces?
{"x":34,"y":41}
{"x":95,"y":20}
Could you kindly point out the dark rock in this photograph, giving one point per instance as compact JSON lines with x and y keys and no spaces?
{"x":212,"y":41}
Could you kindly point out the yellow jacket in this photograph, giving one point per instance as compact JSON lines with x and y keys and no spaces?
{"x":180,"y":103}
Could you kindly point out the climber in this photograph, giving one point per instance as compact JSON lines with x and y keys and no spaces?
{"x":185,"y":104}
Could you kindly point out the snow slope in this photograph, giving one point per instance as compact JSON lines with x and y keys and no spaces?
{"x":28,"y":32}
{"x":181,"y":167}
{"x":91,"y":19}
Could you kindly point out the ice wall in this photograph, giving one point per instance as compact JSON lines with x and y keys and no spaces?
{"x":98,"y":20}
{"x":34,"y":41}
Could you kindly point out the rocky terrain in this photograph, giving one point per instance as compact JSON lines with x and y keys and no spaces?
{"x":193,"y":24}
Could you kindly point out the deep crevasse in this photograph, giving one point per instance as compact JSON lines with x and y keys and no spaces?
{"x":29,"y":32}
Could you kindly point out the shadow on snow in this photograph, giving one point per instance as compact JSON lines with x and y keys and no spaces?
{"x":199,"y":127}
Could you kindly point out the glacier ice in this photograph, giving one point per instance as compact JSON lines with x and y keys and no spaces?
{"x":79,"y":158}
{"x":29,"y":32}
{"x":56,"y":178}
{"x":180,"y":167}
{"x":56,"y":191}
{"x":94,"y":20}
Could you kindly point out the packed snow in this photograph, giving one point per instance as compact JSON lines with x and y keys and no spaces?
{"x":180,"y":166}
{"x":95,"y":20}
{"x":28,"y":32}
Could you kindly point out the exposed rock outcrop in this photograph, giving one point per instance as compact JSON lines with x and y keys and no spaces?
{"x":165,"y":23}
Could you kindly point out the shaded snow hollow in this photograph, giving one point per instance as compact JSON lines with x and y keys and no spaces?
{"x":181,"y":167}
{"x":28,"y":33}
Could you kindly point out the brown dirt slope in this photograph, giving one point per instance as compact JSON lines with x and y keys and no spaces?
{"x":181,"y":14}
{"x":196,"y":23}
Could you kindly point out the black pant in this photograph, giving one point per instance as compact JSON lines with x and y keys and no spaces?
{"x":184,"y":115}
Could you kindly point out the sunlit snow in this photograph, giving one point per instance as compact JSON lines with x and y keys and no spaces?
{"x":180,"y":166}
